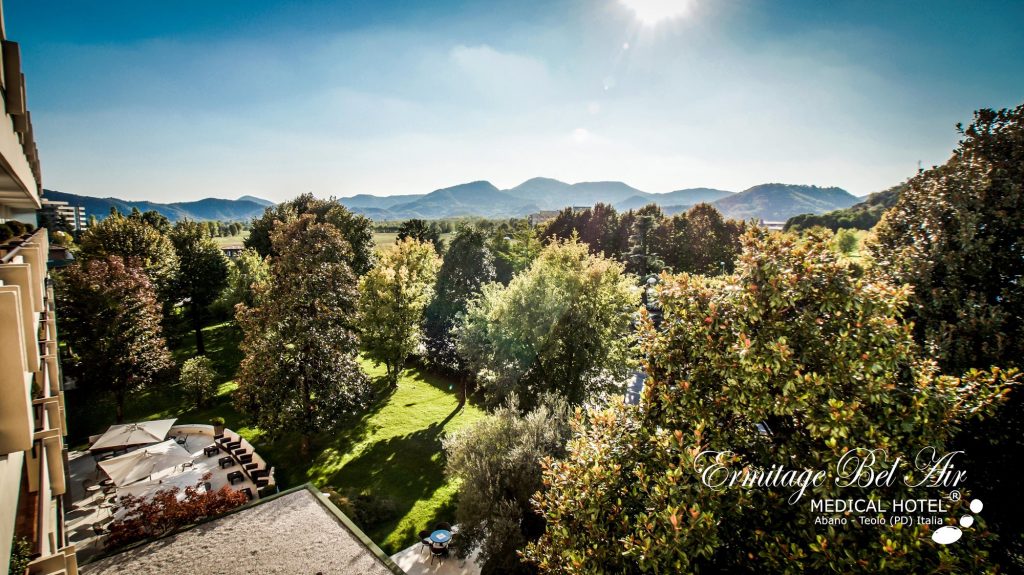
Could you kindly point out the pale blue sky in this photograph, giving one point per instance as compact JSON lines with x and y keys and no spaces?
{"x":179,"y":100}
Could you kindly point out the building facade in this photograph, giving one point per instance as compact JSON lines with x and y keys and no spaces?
{"x":33,"y":457}
{"x":73,"y":216}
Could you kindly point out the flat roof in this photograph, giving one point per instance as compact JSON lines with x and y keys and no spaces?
{"x":296,"y":531}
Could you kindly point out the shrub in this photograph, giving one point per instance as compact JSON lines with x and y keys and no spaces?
{"x":197,"y":379}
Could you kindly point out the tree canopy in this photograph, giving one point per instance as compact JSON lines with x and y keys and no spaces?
{"x":110,"y":320}
{"x":202,"y":273}
{"x":562,"y":325}
{"x":136,"y":243}
{"x":468,"y":265}
{"x":422,"y":231}
{"x":497,"y":463}
{"x":300,"y":372}
{"x":357,"y":230}
{"x":791,"y":361}
{"x":392,"y":297}
{"x":956,"y":236}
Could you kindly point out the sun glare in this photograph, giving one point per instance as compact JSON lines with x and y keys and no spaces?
{"x":651,"y":12}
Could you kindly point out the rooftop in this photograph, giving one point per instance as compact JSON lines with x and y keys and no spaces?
{"x":296,"y":531}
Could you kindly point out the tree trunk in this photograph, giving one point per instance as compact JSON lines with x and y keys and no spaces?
{"x":119,"y":400}
{"x":198,"y":327}
{"x":304,"y":445}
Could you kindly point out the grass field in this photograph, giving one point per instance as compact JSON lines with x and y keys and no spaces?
{"x":392,"y":452}
{"x":387,"y":238}
{"x":232,"y":239}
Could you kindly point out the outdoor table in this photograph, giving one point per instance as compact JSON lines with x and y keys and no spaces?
{"x":235,"y":475}
{"x":225,"y":461}
{"x":441,"y":536}
{"x":211,"y":450}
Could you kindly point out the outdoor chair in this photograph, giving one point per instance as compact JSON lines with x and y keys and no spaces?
{"x":248,"y":493}
{"x":98,"y":529}
{"x":443,"y":525}
{"x":425,"y":538}
{"x":440,"y":552}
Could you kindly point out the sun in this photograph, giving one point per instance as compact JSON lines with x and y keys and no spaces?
{"x":651,"y":12}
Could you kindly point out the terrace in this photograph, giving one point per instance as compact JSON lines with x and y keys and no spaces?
{"x":188,"y":453}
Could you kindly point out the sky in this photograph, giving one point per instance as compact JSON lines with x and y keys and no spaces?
{"x":179,"y":100}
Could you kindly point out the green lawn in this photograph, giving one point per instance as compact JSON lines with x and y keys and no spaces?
{"x":223,"y":241}
{"x":392,"y":452}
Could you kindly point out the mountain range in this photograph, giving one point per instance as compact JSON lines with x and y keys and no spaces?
{"x":243,"y":209}
{"x":771,"y":202}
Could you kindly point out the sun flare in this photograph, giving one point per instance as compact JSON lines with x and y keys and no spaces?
{"x":651,"y":12}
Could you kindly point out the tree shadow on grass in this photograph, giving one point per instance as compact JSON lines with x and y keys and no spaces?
{"x":405,"y":469}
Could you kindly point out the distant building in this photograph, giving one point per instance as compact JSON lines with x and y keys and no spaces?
{"x":548,"y":215}
{"x":232,"y":251}
{"x":541,"y":217}
{"x":53,"y":211}
{"x":774,"y":226}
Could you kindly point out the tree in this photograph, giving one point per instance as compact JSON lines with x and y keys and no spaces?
{"x":157,"y":220}
{"x":136,"y":243}
{"x":202,"y":273}
{"x":514,"y":247}
{"x":467,"y":266}
{"x":846,"y":241}
{"x":247,"y":274}
{"x":562,"y":325}
{"x":300,"y":372}
{"x":497,"y":466}
{"x":357,"y":230}
{"x":140,"y":518}
{"x":709,"y":243}
{"x":110,"y":320}
{"x":392,"y":297}
{"x":792,"y":361}
{"x":644,"y":256}
{"x":956,"y":235}
{"x":196,"y":379}
{"x":421,"y":231}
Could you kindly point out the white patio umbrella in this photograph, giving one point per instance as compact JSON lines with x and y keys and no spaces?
{"x":149,"y":488}
{"x":126,"y":434}
{"x":144,"y":462}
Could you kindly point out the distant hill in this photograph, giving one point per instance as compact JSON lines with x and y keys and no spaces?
{"x":773,"y":202}
{"x":207,"y":209}
{"x":256,"y":200}
{"x":779,"y":202}
{"x":676,"y":199}
{"x":860,"y":216}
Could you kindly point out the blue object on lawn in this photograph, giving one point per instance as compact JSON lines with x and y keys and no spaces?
{"x":441,"y":536}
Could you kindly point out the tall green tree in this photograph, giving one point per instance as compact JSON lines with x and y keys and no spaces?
{"x":136,"y":243}
{"x":467,"y":266}
{"x":197,"y":379}
{"x":421,"y":231}
{"x":357,"y":230}
{"x":110,"y":321}
{"x":392,"y":297}
{"x":202,"y":273}
{"x":644,"y":257}
{"x":562,"y":325}
{"x":497,"y":466}
{"x":792,"y":361}
{"x":159,"y":221}
{"x":300,"y":372}
{"x":247,"y":274}
{"x":956,"y":235}
{"x":514,"y":246}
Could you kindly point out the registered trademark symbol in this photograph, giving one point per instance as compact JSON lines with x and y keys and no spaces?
{"x":954,"y":495}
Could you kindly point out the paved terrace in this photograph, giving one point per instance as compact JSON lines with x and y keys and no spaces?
{"x":89,"y":508}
